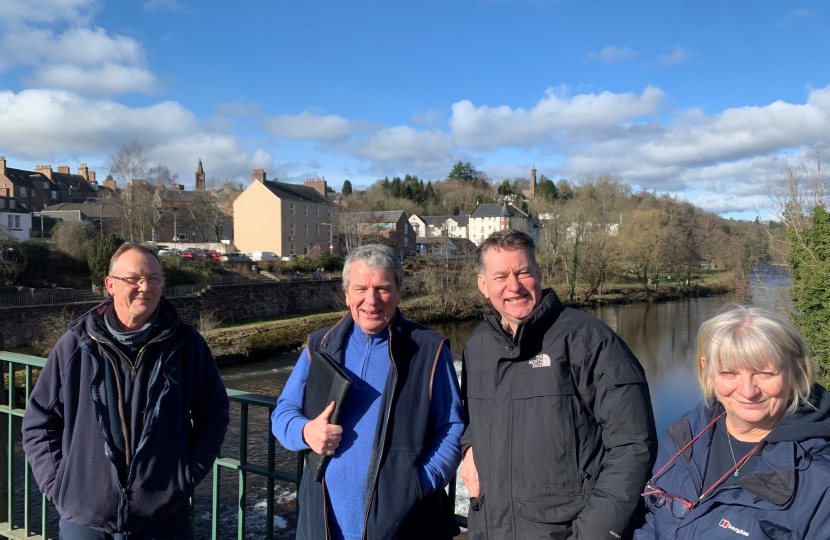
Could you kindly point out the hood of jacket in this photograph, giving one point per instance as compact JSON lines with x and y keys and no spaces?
{"x":92,"y":322}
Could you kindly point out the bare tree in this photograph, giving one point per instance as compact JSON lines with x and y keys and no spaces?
{"x":641,"y":236}
{"x":161,"y":177}
{"x":73,"y":238}
{"x":128,"y":164}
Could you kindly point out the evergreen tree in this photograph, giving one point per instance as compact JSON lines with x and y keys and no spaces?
{"x":396,"y":187}
{"x":36,"y":257}
{"x":100,"y":254}
{"x":347,"y":188}
{"x":809,"y":260}
{"x":504,"y":188}
{"x":546,"y":189}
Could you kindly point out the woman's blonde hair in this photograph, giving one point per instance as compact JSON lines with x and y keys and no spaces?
{"x":754,"y":338}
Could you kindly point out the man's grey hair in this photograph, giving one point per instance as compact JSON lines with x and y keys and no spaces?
{"x":509,"y":240}
{"x":376,"y":257}
{"x":146,"y":249}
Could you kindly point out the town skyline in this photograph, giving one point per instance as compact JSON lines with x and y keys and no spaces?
{"x":698,"y":100}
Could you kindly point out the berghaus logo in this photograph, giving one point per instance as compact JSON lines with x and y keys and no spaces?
{"x":726,"y":525}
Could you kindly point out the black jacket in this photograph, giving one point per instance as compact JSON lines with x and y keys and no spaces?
{"x":394,"y":505}
{"x":561,"y":427}
{"x":68,"y":432}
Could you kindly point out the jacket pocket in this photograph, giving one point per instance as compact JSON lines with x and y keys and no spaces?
{"x":547,"y":517}
{"x":477,"y":519}
{"x":545,"y":418}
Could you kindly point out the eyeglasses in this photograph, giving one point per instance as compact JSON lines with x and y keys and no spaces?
{"x":136,"y":282}
{"x":675,"y":504}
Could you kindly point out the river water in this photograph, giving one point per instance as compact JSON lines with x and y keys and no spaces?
{"x":661,"y":335}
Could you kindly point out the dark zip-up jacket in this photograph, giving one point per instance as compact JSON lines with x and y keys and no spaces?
{"x":68,"y":430}
{"x":394,"y":503}
{"x":561,"y":427}
{"x":786,"y":495}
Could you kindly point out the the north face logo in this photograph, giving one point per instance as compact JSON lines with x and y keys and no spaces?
{"x":540,"y":360}
{"x":726,"y":525}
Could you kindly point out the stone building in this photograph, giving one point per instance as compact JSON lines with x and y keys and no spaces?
{"x":391,"y":228}
{"x":489,"y":218}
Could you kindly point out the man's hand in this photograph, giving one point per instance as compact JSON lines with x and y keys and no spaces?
{"x":469,"y":474}
{"x":322,"y":437}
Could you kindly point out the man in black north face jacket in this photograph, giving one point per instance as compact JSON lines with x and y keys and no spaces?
{"x":561,"y":436}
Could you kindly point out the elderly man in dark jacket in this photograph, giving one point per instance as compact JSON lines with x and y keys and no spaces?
{"x":128,"y":414}
{"x":561,"y":436}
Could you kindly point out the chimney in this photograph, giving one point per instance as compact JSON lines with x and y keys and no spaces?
{"x":2,"y":164}
{"x":318,"y":184}
{"x":45,"y":170}
{"x":83,"y":170}
{"x":109,"y":184}
{"x":240,"y":187}
{"x":258,"y":176}
{"x":63,"y":169}
{"x":177,"y":187}
{"x":92,"y":177}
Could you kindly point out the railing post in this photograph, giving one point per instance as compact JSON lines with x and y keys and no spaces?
{"x":243,"y":476}
{"x":10,"y":450}
{"x":269,"y":493}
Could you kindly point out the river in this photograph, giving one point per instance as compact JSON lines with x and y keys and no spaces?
{"x":661,"y":335}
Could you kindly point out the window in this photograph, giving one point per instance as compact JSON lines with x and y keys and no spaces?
{"x":317,"y":230}
{"x":292,"y":250}
{"x":54,"y":194}
{"x":155,"y":237}
{"x":183,"y":236}
{"x":329,"y":209}
{"x":22,"y":192}
{"x":291,"y":209}
{"x":306,"y":210}
{"x":405,"y":241}
{"x":14,"y":222}
{"x":292,"y":226}
{"x":452,"y":228}
{"x":12,"y":204}
{"x":305,"y":249}
{"x":406,"y":228}
{"x":317,"y":208}
{"x":306,"y":229}
{"x":46,"y":185}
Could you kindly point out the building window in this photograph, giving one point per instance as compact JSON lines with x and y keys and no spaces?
{"x":306,"y":229}
{"x":406,"y":228}
{"x":155,"y":237}
{"x":183,"y":237}
{"x":306,"y":210}
{"x":317,"y":230}
{"x":22,"y":192}
{"x":329,"y":209}
{"x":46,"y":185}
{"x":317,"y":208}
{"x":12,"y":203}
{"x":305,"y":249}
{"x":292,"y":226}
{"x":54,"y":194}
{"x":2,"y":203}
{"x":291,"y":209}
{"x":292,"y":250}
{"x":405,"y":241}
{"x":14,"y":222}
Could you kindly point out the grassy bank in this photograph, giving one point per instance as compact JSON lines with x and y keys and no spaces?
{"x":259,"y":339}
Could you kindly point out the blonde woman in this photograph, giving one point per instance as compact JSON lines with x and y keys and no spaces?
{"x":752,"y":460}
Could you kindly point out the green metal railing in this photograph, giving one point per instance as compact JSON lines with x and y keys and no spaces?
{"x":14,"y":363}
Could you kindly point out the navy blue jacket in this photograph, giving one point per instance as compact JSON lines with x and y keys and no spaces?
{"x":67,"y":431}
{"x":394,"y":504}
{"x":785,"y":496}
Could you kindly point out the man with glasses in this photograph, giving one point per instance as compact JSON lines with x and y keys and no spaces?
{"x":561,"y":434}
{"x":128,"y":414}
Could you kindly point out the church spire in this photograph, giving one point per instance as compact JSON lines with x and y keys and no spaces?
{"x":200,"y":177}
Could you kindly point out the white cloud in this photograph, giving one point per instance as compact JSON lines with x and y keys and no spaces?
{"x":555,"y":117}
{"x":155,"y":6}
{"x":612,"y":54}
{"x":793,"y":16}
{"x":15,"y":12}
{"x":87,"y":60}
{"x":307,"y":125}
{"x":55,"y":122}
{"x":678,"y":56}
{"x":405,"y":144}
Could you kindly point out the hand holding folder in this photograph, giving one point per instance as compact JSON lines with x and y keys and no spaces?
{"x":326,"y":383}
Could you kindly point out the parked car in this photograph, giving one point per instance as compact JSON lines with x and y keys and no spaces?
{"x":214,"y":255}
{"x":265,"y":256}
{"x":289,"y":257}
{"x":235,"y":257}
{"x":191,"y":253}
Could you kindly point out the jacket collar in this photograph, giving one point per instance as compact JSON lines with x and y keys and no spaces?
{"x":537,"y":323}
{"x":166,"y":323}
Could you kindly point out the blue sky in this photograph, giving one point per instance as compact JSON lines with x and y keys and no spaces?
{"x":698,"y":99}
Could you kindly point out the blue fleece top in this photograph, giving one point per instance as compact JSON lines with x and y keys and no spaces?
{"x":367,"y":362}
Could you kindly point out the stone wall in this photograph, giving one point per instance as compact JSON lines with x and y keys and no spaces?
{"x":19,"y":326}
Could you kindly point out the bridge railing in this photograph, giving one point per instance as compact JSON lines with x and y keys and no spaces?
{"x":20,"y":372}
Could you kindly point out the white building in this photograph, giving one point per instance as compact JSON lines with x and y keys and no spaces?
{"x":489,"y":218}
{"x":15,"y":225}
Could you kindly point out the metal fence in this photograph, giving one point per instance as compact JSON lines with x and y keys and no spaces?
{"x":43,"y":297}
{"x":20,"y":522}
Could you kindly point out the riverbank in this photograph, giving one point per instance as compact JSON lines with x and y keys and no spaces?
{"x":255,"y":340}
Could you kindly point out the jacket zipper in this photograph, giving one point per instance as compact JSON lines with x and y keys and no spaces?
{"x":382,"y":443}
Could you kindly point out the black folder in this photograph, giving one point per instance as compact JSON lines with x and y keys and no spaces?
{"x":326,"y":382}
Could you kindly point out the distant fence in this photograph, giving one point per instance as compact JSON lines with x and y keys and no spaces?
{"x":44,"y":297}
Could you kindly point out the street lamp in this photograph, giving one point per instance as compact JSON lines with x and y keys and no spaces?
{"x":175,"y":230}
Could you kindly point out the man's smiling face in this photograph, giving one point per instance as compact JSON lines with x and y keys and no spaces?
{"x":512,"y":282}
{"x":372,"y":297}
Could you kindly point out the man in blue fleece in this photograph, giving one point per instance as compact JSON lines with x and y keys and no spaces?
{"x":128,"y":414}
{"x":397,"y":445}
